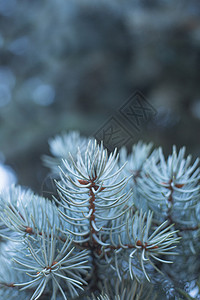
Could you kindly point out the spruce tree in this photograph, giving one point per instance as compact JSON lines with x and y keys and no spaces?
{"x":120,"y":226}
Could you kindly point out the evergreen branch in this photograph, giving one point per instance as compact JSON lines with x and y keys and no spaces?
{"x":50,"y":261}
{"x":25,"y":213}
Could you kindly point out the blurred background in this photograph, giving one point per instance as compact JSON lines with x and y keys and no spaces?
{"x":67,"y":65}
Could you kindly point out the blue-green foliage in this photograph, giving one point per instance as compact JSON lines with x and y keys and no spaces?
{"x":116,"y":225}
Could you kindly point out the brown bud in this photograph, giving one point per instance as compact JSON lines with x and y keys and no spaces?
{"x":29,"y":230}
{"x":139,"y":243}
{"x":179,"y":185}
{"x":84,"y":182}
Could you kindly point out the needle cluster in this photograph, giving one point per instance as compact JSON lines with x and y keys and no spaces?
{"x":121,"y":226}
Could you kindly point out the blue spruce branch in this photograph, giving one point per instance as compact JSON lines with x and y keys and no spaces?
{"x":118,"y":221}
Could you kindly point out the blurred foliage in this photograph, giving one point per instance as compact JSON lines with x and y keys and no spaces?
{"x":72,"y":64}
